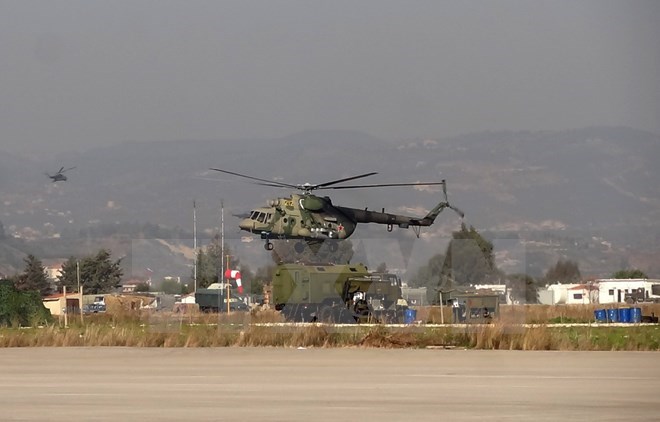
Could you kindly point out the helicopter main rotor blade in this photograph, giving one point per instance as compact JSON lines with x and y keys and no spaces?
{"x":271,"y":182}
{"x":273,"y":185}
{"x":70,"y":168}
{"x":383,"y":185}
{"x":322,"y":185}
{"x":60,"y":170}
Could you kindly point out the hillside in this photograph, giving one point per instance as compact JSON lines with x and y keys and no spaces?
{"x":593,"y":193}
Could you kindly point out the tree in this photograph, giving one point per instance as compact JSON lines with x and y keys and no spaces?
{"x":563,"y":272}
{"x":631,"y":273}
{"x":469,"y":258}
{"x":207,"y":272}
{"x":523,"y":288}
{"x":430,"y":276}
{"x":170,"y":286}
{"x":209,"y":262}
{"x":33,"y":277}
{"x":142,"y":287}
{"x":21,"y":309}
{"x":262,"y":277}
{"x":98,"y":273}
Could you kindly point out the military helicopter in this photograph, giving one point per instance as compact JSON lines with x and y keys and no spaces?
{"x":59,"y":175}
{"x":314,"y":219}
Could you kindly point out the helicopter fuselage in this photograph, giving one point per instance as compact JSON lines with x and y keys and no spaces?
{"x":299,"y":217}
{"x":312,"y":217}
{"x":315,"y":219}
{"x":58,"y":178}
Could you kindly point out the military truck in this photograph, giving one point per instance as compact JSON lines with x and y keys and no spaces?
{"x":336,"y":293}
{"x":214,"y":300}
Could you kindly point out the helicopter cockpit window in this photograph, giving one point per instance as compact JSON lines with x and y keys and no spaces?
{"x":254,"y":215}
{"x":261,"y":217}
{"x":269,"y":216}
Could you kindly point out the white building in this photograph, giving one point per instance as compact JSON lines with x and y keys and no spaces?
{"x":582,"y":294}
{"x":568,"y":294}
{"x":556,"y":294}
{"x":612,"y":290}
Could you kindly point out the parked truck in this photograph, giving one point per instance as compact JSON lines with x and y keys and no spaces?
{"x":214,"y":300}
{"x":336,"y":293}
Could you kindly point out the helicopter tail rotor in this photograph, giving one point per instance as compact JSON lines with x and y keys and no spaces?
{"x":447,"y":204}
{"x":456,"y":210}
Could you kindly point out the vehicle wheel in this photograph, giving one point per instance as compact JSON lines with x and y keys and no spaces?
{"x":326,"y":315}
{"x":345,"y":317}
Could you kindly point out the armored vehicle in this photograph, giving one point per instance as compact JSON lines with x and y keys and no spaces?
{"x":336,"y":293}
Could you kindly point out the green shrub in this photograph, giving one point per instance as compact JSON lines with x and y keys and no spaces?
{"x":21,"y":308}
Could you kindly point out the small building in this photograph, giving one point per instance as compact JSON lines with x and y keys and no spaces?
{"x":58,"y":304}
{"x":500,"y":289}
{"x":558,"y":294}
{"x":611,"y":290}
{"x":415,"y":296}
{"x":477,"y":307}
{"x":582,"y":294}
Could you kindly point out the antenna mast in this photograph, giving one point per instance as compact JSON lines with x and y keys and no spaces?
{"x":222,"y":240}
{"x":195,"y":245}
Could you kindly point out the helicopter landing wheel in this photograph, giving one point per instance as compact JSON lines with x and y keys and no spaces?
{"x":268,"y":246}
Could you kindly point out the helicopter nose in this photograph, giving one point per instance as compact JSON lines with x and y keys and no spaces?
{"x":246,"y":224}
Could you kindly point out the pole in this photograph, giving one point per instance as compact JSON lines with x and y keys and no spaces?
{"x":442,"y":310}
{"x":79,"y":290}
{"x":80,"y":304}
{"x":195,"y":246}
{"x":228,"y":307}
{"x":66,"y":320}
{"x":222,"y":242}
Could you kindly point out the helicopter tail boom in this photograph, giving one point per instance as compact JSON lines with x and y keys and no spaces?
{"x":403,"y":221}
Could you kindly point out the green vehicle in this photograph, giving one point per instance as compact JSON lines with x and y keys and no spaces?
{"x":214,"y":300}
{"x":336,"y":293}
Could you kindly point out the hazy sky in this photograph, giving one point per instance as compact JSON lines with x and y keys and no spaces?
{"x":88,"y":73}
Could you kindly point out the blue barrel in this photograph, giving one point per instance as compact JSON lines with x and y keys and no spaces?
{"x":409,"y":316}
{"x":600,"y":315}
{"x":612,"y":315}
{"x":624,"y":315}
{"x":635,"y":315}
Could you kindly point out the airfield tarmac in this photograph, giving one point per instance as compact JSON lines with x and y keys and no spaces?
{"x":281,"y":384}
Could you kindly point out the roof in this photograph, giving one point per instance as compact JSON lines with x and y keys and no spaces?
{"x":584,"y":287}
{"x":56,"y":296}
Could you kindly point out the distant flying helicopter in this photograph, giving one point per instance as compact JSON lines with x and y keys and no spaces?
{"x":59,"y":175}
{"x":314,"y":219}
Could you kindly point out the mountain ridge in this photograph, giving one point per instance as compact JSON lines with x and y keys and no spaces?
{"x":600,"y":182}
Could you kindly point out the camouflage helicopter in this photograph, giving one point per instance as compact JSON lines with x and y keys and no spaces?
{"x":59,"y":175}
{"x":314,"y":219}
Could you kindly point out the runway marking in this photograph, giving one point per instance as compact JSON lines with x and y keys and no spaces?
{"x":548,"y":377}
{"x":77,"y":394}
